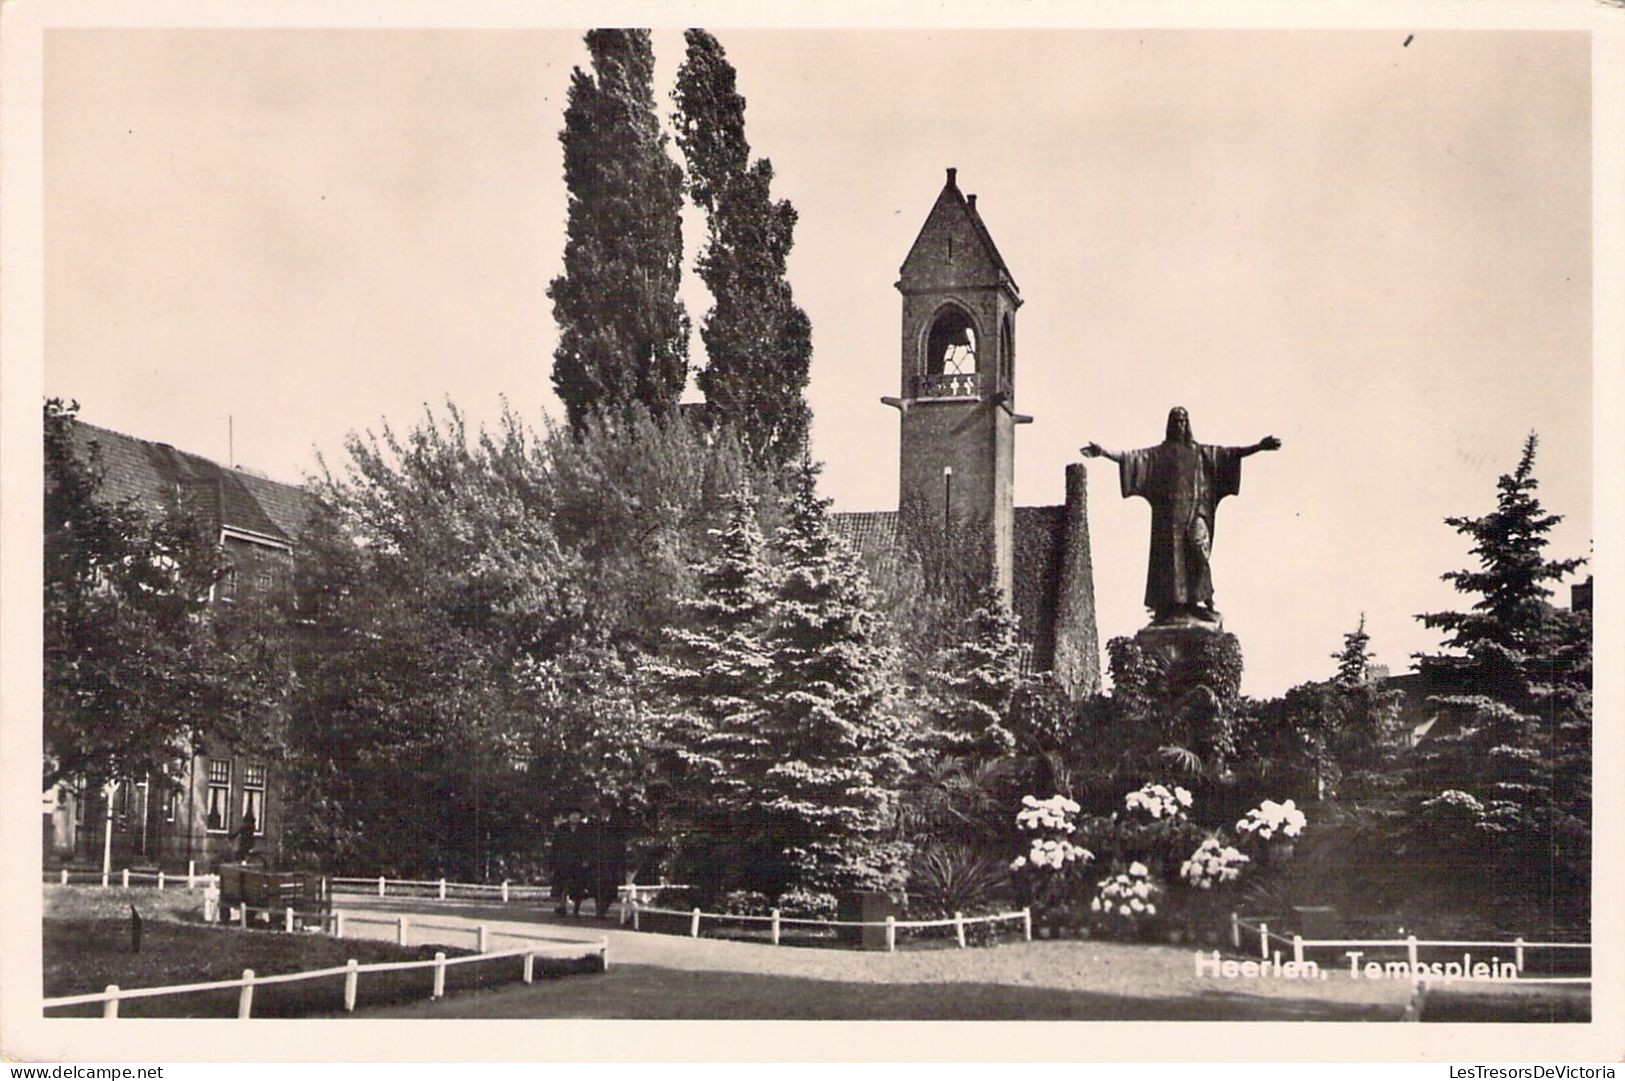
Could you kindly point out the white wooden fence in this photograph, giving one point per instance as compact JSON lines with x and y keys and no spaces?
{"x":777,"y":920}
{"x":539,"y":945}
{"x":128,"y":877}
{"x":1243,"y":929}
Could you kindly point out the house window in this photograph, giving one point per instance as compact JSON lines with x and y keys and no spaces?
{"x":218,"y":819}
{"x":264,"y":581}
{"x":228,"y":584}
{"x":254,"y":795}
{"x":172,"y":805}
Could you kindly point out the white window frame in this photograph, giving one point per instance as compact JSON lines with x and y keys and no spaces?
{"x":225,"y":802}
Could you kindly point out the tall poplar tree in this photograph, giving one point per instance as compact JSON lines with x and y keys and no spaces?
{"x":757,"y":341}
{"x":623,"y":334}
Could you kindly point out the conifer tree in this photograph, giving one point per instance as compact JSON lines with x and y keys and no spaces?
{"x":714,"y":676}
{"x":623,"y":334}
{"x":831,"y":796}
{"x":975,"y":680}
{"x":1496,"y":644}
{"x":758,"y":341}
{"x":1354,"y":659}
{"x":1504,"y":784}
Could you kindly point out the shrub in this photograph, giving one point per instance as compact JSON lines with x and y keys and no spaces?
{"x":1126,"y":904}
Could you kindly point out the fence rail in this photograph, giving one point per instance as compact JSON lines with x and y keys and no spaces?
{"x":959,"y":921}
{"x":1412,"y":947}
{"x":538,"y":945}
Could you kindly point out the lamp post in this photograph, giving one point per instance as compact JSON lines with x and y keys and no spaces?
{"x":947,"y":498}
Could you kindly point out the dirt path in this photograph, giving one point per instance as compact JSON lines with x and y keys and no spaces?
{"x":1063,"y":978}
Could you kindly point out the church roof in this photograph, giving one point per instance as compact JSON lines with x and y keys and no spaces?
{"x":1038,"y":543}
{"x":953,"y":208}
{"x":153,"y":474}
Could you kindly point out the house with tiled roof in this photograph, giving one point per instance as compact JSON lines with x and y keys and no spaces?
{"x":189,"y":816}
{"x":958,"y":420}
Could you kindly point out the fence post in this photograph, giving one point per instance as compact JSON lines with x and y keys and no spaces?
{"x":287,"y":919}
{"x":338,"y":924}
{"x":1410,"y":950}
{"x":439,"y":976}
{"x":1419,"y":996}
{"x":775,"y":927}
{"x":1264,"y":941}
{"x":891,"y":934}
{"x":1235,"y":931}
{"x":603,"y":954}
{"x":160,"y":878}
{"x":380,"y":885}
{"x":694,"y":925}
{"x":442,"y":889}
{"x":479,"y":939}
{"x":351,"y":974}
{"x":504,"y":891}
{"x":400,"y":931}
{"x":1027,"y":923}
{"x":104,"y":878}
{"x":959,"y":928}
{"x":1517,"y":950}
{"x":191,"y":874}
{"x":242,"y":915}
{"x":634,"y":916}
{"x":110,"y":1007}
{"x":1297,"y":949}
{"x":245,"y":1001}
{"x":126,"y":878}
{"x":530,"y":968}
{"x":64,"y":876}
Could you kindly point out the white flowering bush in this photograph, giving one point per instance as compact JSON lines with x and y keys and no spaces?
{"x":1047,"y":870}
{"x":1127,"y":903}
{"x":1049,"y":821}
{"x":1271,"y":820}
{"x":1213,"y":864}
{"x":1158,"y":802}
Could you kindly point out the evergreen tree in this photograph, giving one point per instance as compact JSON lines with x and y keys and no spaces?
{"x":1503,"y":786}
{"x":975,"y":681}
{"x":759,"y":343}
{"x":1497,"y":644}
{"x":623,"y":334}
{"x":830,"y":799}
{"x":1354,"y":659}
{"x":714,"y":676}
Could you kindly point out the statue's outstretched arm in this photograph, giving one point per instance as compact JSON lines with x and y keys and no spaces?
{"x":1095,"y":450}
{"x":1269,"y":442}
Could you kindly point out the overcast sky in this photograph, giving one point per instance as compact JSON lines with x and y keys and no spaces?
{"x":1379,"y":252}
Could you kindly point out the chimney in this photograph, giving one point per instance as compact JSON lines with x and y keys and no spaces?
{"x":953,"y":175}
{"x":971,"y":199}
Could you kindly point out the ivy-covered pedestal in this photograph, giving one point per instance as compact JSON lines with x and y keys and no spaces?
{"x":1202,"y":653}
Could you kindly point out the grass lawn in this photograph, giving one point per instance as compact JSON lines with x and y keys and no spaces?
{"x":87,"y":946}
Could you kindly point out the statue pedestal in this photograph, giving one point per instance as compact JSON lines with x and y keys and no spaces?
{"x":1175,"y":643}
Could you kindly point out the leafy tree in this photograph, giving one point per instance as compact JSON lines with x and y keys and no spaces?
{"x":623,"y":334}
{"x":830,"y":801}
{"x":431,"y":583}
{"x":138,"y":665}
{"x":759,"y":343}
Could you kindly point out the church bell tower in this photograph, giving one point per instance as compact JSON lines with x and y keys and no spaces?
{"x":957,"y":397}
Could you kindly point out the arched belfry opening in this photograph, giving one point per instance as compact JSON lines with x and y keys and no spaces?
{"x":951,"y":346}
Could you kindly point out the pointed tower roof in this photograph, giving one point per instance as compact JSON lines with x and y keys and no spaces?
{"x":954,"y":216}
